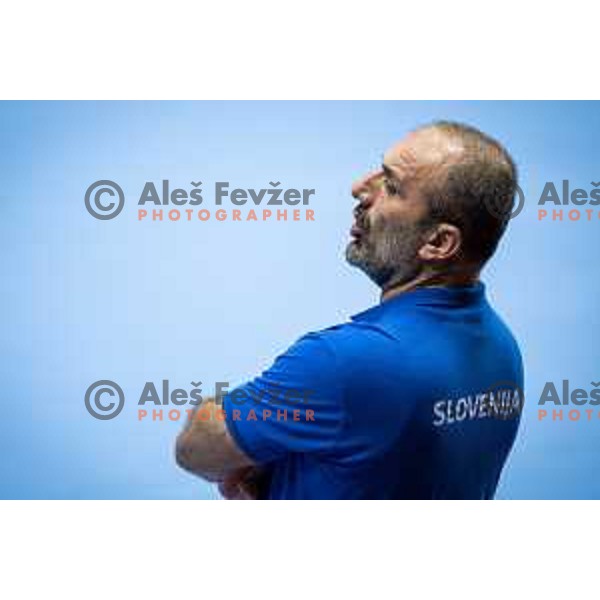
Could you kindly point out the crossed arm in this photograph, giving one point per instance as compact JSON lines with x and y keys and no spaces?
{"x":206,"y":448}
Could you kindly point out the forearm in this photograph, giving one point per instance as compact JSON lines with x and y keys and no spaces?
{"x":205,"y":448}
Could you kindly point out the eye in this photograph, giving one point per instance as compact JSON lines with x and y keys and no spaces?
{"x":392,"y":187}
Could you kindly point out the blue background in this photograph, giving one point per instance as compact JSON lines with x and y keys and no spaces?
{"x":84,"y":299}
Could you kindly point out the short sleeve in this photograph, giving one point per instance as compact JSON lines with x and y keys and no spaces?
{"x":295,"y":406}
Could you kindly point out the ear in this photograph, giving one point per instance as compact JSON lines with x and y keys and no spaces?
{"x":442,"y":243}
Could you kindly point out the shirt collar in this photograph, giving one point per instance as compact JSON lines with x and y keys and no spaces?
{"x":448,"y":296}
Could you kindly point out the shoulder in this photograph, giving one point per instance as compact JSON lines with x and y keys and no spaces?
{"x":354,"y":346}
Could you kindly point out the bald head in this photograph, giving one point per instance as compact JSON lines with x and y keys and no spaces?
{"x":468,"y":180}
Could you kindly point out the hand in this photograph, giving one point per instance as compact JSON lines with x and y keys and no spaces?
{"x":247,"y":483}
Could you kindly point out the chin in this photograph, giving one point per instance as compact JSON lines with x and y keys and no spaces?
{"x":353,"y":253}
{"x":355,"y":257}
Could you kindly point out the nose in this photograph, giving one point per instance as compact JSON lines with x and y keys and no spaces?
{"x":365,"y":189}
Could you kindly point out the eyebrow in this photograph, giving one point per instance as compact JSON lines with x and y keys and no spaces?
{"x":388,"y":173}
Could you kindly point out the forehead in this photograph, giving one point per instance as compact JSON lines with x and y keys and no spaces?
{"x":419,"y":153}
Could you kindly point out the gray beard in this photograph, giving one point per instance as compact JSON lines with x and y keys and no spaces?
{"x":387,"y":254}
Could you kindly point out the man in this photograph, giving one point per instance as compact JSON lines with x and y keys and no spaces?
{"x":417,"y":397}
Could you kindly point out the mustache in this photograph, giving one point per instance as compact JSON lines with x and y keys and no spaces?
{"x":360,"y":217}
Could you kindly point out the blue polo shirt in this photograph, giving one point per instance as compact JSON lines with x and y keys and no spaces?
{"x":417,"y":397}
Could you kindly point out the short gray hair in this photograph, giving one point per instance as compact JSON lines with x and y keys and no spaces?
{"x":481,"y":175}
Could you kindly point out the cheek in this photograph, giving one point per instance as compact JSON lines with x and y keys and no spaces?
{"x":384,"y":208}
{"x":389,"y":214}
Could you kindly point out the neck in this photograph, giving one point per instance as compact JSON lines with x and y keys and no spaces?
{"x":429,"y":279}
